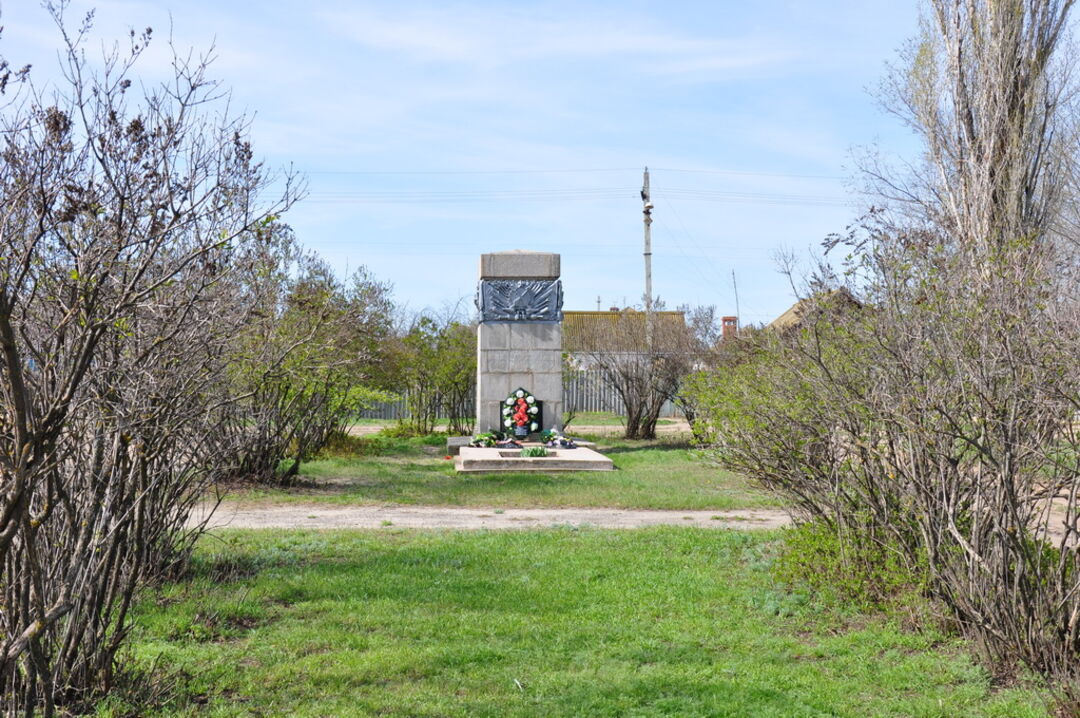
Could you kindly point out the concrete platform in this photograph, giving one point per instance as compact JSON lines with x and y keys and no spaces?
{"x":476,"y":460}
{"x":454,"y":444}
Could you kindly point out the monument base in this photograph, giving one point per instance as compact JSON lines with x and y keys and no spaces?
{"x":472,"y":459}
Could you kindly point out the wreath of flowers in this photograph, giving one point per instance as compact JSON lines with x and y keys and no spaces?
{"x":520,"y":409}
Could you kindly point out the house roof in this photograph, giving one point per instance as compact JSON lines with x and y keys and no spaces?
{"x":797,"y":312}
{"x":615,"y":330}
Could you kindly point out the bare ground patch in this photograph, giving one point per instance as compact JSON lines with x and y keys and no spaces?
{"x":321,"y":516}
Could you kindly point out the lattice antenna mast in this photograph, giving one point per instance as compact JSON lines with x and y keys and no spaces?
{"x":738,"y":314}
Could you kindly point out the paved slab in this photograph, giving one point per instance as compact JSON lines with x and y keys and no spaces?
{"x":321,"y":516}
{"x":471,"y":459}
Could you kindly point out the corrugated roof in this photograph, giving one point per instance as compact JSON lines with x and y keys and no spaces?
{"x":616,"y":331}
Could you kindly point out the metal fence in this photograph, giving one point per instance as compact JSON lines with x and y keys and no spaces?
{"x":584,"y":390}
{"x":587,"y":390}
{"x":391,"y":410}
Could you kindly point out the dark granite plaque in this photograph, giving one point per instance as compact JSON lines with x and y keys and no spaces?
{"x":519,"y":300}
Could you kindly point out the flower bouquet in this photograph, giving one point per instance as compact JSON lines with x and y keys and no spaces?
{"x":485,"y":441}
{"x":555,"y":440}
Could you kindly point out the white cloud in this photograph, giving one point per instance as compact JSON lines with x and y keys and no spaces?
{"x":494,"y":38}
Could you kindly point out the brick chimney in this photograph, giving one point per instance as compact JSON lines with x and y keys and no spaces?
{"x":729,"y":327}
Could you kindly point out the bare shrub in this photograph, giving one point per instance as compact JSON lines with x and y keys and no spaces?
{"x":941,"y":420}
{"x":455,"y":376}
{"x":436,"y":372}
{"x":300,"y":368}
{"x":121,"y":212}
{"x":644,"y":374}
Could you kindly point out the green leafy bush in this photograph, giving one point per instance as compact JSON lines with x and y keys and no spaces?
{"x":341,"y":444}
{"x":409,"y":431}
{"x":868,"y":573}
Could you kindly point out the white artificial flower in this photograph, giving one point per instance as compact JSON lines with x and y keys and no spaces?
{"x":534,"y":426}
{"x":507,"y":422}
{"x":509,"y":400}
{"x":506,"y":411}
{"x":533,"y":410}
{"x":519,"y":393}
{"x":530,"y":399}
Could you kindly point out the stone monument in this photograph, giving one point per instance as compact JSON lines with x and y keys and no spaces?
{"x":519,"y":340}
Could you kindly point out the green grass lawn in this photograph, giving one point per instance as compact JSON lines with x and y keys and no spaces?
{"x":655,"y":475}
{"x":658,"y":622}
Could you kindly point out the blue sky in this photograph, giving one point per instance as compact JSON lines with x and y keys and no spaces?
{"x":433,"y":132}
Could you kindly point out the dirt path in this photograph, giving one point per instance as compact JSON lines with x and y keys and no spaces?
{"x":321,"y":516}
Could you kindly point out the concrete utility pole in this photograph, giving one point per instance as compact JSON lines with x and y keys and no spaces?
{"x":647,"y":211}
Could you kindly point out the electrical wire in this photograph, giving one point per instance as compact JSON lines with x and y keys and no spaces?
{"x":749,"y":173}
{"x":568,"y":194}
{"x":467,"y":172}
{"x":743,"y":173}
{"x":719,"y":281}
{"x":669,"y":234}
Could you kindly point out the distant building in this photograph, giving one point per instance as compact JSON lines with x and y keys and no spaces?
{"x":835,"y":300}
{"x":617,"y":330}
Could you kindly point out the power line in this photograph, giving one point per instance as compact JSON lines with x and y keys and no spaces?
{"x":693,"y":240}
{"x":424,"y":193}
{"x":711,"y":195}
{"x":570,"y":194}
{"x":466,"y":172}
{"x":576,"y":170}
{"x":670,"y":233}
{"x":749,"y":173}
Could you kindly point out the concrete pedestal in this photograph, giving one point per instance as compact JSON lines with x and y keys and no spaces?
{"x":527,"y":355}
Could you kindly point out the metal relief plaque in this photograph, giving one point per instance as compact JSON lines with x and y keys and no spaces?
{"x":520,"y":300}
